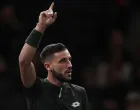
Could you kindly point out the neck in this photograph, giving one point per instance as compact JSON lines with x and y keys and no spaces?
{"x":53,"y":80}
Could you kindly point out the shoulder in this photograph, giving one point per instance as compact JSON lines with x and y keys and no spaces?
{"x":42,"y":80}
{"x":78,"y":88}
{"x":36,"y":86}
{"x":36,"y":89}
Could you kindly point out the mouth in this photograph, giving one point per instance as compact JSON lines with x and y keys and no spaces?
{"x":68,"y":71}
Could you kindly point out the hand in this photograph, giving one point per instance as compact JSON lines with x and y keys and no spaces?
{"x":46,"y":18}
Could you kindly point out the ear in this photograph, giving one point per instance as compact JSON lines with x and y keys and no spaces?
{"x":47,"y":65}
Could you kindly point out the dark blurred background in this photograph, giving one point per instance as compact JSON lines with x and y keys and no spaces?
{"x":103,"y":37}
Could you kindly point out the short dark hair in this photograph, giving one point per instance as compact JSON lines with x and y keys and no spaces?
{"x":51,"y":49}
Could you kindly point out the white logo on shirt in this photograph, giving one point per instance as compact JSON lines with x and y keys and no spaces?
{"x":75,"y":104}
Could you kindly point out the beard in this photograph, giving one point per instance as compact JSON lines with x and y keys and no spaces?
{"x":60,"y":76}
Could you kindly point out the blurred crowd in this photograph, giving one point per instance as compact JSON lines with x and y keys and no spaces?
{"x":103,"y":37}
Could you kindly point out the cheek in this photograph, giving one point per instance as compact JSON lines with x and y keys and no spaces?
{"x":60,"y":68}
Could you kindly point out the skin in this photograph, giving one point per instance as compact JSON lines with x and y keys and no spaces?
{"x":59,"y":68}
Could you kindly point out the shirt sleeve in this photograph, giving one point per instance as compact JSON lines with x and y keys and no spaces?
{"x":34,"y":91}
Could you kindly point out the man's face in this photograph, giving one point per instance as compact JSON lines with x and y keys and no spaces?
{"x":61,"y":67}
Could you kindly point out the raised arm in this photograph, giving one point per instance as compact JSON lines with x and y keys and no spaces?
{"x":27,"y":69}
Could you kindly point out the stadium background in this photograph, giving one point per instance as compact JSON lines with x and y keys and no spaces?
{"x":104,"y":40}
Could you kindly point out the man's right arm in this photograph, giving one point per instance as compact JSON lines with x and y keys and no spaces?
{"x":27,"y":69}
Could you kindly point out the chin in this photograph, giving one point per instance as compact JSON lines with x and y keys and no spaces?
{"x":67,"y":79}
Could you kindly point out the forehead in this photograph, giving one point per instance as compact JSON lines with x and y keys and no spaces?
{"x":62,"y":54}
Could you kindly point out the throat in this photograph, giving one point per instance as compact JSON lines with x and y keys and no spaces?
{"x":54,"y":81}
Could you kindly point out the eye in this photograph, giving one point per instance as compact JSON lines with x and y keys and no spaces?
{"x":63,"y":60}
{"x":70,"y":59}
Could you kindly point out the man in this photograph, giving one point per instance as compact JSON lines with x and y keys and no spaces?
{"x":54,"y":92}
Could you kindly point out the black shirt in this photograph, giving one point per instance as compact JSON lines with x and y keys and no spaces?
{"x":45,"y":96}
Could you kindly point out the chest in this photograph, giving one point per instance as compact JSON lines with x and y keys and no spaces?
{"x":68,"y":100}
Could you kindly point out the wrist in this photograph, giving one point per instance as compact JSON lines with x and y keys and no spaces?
{"x":40,"y":28}
{"x":34,"y":38}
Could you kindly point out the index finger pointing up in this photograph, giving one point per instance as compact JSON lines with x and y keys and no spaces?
{"x":52,"y":5}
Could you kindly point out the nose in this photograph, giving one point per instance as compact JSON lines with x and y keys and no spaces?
{"x":69,"y":64}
